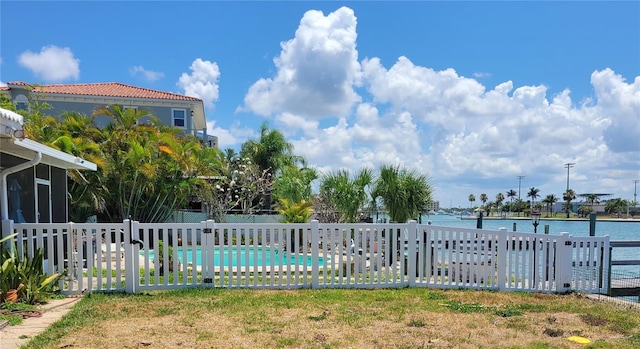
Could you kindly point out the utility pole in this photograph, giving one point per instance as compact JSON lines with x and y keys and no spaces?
{"x":519,"y":181}
{"x":568,"y":166}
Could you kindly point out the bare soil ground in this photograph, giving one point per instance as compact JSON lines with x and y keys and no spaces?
{"x":347,"y":319}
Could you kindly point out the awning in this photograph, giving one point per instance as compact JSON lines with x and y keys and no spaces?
{"x":10,"y":119}
{"x":25,"y":148}
{"x":10,"y":115}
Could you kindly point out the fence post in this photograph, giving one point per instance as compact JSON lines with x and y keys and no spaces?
{"x":207,"y":241}
{"x":315,"y":254}
{"x":564,"y":259}
{"x":65,"y":255}
{"x":605,"y":267}
{"x":130,"y":275}
{"x":411,"y":257}
{"x":501,"y":263}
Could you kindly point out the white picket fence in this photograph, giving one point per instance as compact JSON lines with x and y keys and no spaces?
{"x":127,"y":256}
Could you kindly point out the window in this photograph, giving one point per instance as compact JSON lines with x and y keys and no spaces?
{"x":22,"y":103}
{"x":212,"y":141}
{"x":179,"y":117}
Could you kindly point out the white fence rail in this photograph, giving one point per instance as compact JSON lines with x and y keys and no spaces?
{"x":132,"y":256}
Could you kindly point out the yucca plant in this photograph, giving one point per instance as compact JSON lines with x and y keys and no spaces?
{"x":26,"y":275}
{"x":35,"y":284}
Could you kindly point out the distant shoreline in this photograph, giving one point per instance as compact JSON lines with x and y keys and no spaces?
{"x":472,"y":218}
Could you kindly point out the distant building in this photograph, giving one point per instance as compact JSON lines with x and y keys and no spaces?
{"x":593,"y":201}
{"x":433,"y":206}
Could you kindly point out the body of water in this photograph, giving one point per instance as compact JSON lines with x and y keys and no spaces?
{"x":617,"y":230}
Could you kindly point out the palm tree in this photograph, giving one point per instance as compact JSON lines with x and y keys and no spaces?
{"x":616,"y":206}
{"x":489,"y":205}
{"x":150,"y":168}
{"x":533,"y":194}
{"x":348,"y":194}
{"x":483,"y":198}
{"x":592,"y":199}
{"x":499,"y":200}
{"x":73,"y":133}
{"x":405,"y":194}
{"x":511,"y":194}
{"x":272,"y":153}
{"x":294,"y":184}
{"x":549,"y":200}
{"x":568,"y":196}
{"x":472,"y":198}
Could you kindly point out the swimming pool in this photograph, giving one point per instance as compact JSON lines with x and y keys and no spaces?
{"x":239,"y":256}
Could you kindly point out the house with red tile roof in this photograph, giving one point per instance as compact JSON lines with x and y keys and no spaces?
{"x":171,"y":108}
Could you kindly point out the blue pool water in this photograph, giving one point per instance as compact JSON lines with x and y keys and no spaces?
{"x":243,"y":256}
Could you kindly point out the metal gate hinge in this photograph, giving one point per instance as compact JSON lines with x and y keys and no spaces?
{"x":568,"y":243}
{"x":207,"y":231}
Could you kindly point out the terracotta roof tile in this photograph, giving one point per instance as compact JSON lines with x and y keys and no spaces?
{"x":108,"y":89}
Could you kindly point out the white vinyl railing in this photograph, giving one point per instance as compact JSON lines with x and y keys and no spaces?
{"x":132,"y":256}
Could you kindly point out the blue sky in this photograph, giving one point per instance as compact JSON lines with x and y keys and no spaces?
{"x":473,"y":94}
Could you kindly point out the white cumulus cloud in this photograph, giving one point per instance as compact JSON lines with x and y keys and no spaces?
{"x":148,"y":75}
{"x":231,"y":136}
{"x":202,"y":82}
{"x":464,"y":134}
{"x":52,"y":63}
{"x":619,"y":102}
{"x":316,"y":70}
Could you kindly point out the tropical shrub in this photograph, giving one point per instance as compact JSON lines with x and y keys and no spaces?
{"x":294,"y":212}
{"x":26,"y":275}
{"x":35,"y":285}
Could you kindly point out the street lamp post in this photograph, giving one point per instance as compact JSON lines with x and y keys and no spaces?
{"x":635,"y":187}
{"x":535,"y":220}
